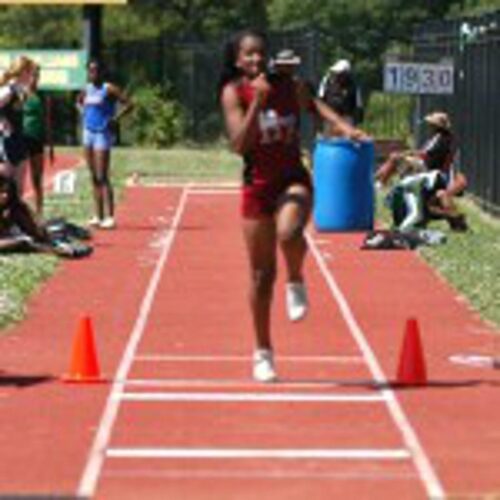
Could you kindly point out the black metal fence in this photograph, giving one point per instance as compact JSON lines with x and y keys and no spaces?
{"x":190,"y":69}
{"x":474,"y":46}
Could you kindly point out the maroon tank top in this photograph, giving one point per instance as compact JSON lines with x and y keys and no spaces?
{"x":277,"y":149}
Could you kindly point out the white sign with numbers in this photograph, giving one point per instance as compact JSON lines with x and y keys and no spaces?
{"x":419,"y":78}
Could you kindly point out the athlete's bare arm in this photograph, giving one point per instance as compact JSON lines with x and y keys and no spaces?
{"x":241,"y":125}
{"x":126,"y":103}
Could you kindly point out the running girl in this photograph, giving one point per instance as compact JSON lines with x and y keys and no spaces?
{"x":98,"y":104}
{"x":262,"y":119}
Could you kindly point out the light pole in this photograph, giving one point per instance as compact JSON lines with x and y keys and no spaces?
{"x":92,"y":30}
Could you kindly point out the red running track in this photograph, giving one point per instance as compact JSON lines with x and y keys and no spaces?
{"x":183,"y":418}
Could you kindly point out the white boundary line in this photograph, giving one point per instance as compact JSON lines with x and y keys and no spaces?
{"x":248,"y":397}
{"x":214,"y":191}
{"x":228,"y":383}
{"x":422,"y":462}
{"x":193,"y":186}
{"x":476,"y":360}
{"x":236,"y":358}
{"x":95,"y":459}
{"x":286,"y":453}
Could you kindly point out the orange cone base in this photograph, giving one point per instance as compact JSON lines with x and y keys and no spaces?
{"x":75,"y":379}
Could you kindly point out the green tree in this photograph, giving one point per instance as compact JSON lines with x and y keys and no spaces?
{"x":40,"y":27}
{"x":198,"y":19}
{"x":361,"y":30}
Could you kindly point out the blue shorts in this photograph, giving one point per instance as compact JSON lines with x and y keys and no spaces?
{"x":102,"y":140}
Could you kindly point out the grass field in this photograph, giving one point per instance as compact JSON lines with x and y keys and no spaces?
{"x":468,"y":261}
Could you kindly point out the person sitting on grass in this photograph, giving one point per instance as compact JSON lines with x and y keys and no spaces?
{"x":20,"y":232}
{"x":436,"y":155}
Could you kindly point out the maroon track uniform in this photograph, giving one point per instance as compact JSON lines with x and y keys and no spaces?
{"x":274,"y":163}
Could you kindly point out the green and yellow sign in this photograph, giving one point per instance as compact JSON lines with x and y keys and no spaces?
{"x":60,"y":69}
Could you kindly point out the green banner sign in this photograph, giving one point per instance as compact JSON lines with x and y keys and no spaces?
{"x":60,"y":69}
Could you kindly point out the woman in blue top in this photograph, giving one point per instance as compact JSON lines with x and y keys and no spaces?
{"x":98,"y":103}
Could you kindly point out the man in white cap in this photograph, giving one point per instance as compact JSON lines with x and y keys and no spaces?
{"x":285,"y":62}
{"x":340,"y":91}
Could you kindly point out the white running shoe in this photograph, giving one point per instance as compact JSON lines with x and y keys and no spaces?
{"x":263,"y":366}
{"x":108,"y":223}
{"x":296,"y":300}
{"x":94,"y":221}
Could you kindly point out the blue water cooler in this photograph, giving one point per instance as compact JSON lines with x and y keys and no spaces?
{"x":343,"y":185}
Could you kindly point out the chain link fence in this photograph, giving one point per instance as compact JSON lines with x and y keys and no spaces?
{"x":474,"y":46}
{"x":189,"y":70}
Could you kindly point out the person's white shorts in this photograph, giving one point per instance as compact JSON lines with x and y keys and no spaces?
{"x":411,"y":164}
{"x":101,"y":140}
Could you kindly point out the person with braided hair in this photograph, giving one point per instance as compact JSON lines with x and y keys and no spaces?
{"x":262,"y":117}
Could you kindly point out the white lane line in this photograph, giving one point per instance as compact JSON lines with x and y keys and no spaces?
{"x":240,"y":384}
{"x":213,"y":191}
{"x":288,"y":453}
{"x":214,"y":185}
{"x":422,"y":462}
{"x":192,"y":186}
{"x":247,"y":359}
{"x":476,"y":360}
{"x":88,"y":481}
{"x":248,"y":397}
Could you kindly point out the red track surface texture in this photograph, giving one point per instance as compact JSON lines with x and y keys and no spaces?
{"x":181,"y":417}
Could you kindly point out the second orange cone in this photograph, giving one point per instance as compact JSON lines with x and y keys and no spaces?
{"x":84,"y":365}
{"x":412,"y":369}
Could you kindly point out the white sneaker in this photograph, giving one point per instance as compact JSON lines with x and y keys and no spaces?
{"x":263,"y":366}
{"x":296,"y":300}
{"x":94,"y":221}
{"x":108,"y":223}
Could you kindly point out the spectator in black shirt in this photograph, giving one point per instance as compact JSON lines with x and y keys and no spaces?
{"x":20,"y":232}
{"x":437,"y":154}
{"x":340,"y":91}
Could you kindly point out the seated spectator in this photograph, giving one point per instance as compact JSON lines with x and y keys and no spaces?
{"x":19,"y":231}
{"x":436,"y":155}
{"x":413,"y":203}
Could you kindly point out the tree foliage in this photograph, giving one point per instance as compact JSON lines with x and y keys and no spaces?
{"x":40,"y":27}
{"x":353,"y":23}
{"x":362,"y":30}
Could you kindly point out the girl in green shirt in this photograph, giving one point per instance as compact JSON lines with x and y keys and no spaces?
{"x":34,"y":137}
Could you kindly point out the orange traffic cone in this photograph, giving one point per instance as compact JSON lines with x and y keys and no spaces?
{"x":412,"y":369}
{"x":84,"y":366}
